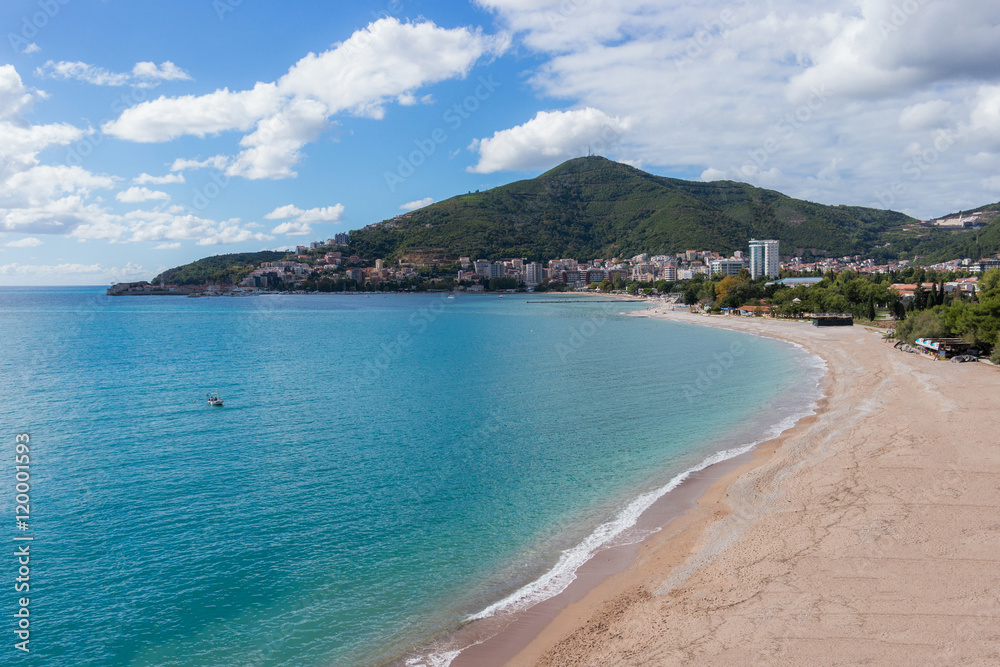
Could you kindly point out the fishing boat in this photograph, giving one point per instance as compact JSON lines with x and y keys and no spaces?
{"x":214,"y":399}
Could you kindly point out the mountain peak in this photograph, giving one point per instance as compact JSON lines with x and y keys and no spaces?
{"x":595,"y":207}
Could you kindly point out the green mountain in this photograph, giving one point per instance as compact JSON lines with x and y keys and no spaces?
{"x":220,"y":269}
{"x":592,"y":207}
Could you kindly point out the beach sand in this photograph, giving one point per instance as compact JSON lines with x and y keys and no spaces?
{"x":867,"y":534}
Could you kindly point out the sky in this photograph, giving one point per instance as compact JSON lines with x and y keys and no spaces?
{"x":137,"y":135}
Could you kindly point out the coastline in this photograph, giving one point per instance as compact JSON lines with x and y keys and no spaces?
{"x":506,"y":627}
{"x":863,"y":533}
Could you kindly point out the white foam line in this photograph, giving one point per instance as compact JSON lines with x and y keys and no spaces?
{"x":563,"y":573}
{"x":556,"y":580}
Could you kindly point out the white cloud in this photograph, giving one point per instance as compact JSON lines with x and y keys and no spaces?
{"x":274,"y":148}
{"x":71,"y":273}
{"x":711,"y":174}
{"x":549,"y":138}
{"x":27,"y":242}
{"x":165,"y":71}
{"x":167,"y":246}
{"x":312,"y":215}
{"x":31,"y":48}
{"x":215,"y":162}
{"x":134,"y":195}
{"x":143,"y":74}
{"x":282,"y":212}
{"x":387,"y":61}
{"x":414,"y":205}
{"x":775,"y":93}
{"x":886,"y":49}
{"x":167,"y":118}
{"x":984,"y":117}
{"x":304,"y":219}
{"x":144,"y":179}
{"x":59,"y":199}
{"x":925,"y":115}
{"x":293,"y":229}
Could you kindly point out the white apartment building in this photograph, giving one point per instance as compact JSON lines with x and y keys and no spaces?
{"x":726,"y":267}
{"x":764,"y":258}
{"x":532,"y":274}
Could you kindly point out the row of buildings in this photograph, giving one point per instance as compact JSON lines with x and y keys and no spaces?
{"x":761,"y":261}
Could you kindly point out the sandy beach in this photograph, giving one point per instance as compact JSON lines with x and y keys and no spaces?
{"x":867,"y":534}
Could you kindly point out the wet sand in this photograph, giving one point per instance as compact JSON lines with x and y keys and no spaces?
{"x":868,"y":534}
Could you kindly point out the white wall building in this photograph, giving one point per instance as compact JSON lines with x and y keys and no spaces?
{"x":532,"y":274}
{"x":764,"y":258}
{"x":727,"y":267}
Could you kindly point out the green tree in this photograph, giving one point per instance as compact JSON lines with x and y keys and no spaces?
{"x":989,"y":280}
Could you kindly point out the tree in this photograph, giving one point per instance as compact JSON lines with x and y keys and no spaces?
{"x":691,"y":295}
{"x":871,"y":308}
{"x":990,"y":280}
{"x":919,"y":297}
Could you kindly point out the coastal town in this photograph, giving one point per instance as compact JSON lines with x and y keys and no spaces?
{"x":329,"y":266}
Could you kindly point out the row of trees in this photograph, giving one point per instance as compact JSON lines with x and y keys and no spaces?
{"x":977,"y":321}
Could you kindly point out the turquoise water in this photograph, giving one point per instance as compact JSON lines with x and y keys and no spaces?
{"x":383,"y":468}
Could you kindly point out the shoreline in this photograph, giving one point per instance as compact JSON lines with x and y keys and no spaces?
{"x":679,"y":601}
{"x":495,"y":639}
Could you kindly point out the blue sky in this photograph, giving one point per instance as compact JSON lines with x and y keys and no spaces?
{"x":136,"y":136}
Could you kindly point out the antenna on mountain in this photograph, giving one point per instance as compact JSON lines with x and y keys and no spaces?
{"x":589,"y":154}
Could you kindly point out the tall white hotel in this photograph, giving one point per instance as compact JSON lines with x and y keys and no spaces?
{"x":763,"y":258}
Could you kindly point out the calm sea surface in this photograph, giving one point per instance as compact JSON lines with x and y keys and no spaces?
{"x":383,"y":468}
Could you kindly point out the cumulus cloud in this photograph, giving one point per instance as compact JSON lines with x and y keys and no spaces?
{"x":144,"y":179}
{"x":549,"y":138}
{"x":135,"y":195}
{"x":414,"y":205}
{"x":60,"y":199}
{"x":293,"y":229}
{"x":31,"y":48}
{"x":385,"y":62}
{"x":888,"y":48}
{"x":924,"y":115}
{"x":214,"y":162}
{"x":712,"y":174}
{"x":274,"y":148}
{"x":303,"y":219}
{"x":775,"y":93}
{"x":143,"y":74}
{"x":27,"y":242}
{"x":167,"y":246}
{"x":324,"y":214}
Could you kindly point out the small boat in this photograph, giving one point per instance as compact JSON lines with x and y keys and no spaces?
{"x":451,"y":296}
{"x":214,"y":399}
{"x":500,"y":297}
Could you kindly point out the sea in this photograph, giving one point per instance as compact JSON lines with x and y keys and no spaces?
{"x":385,"y":469}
